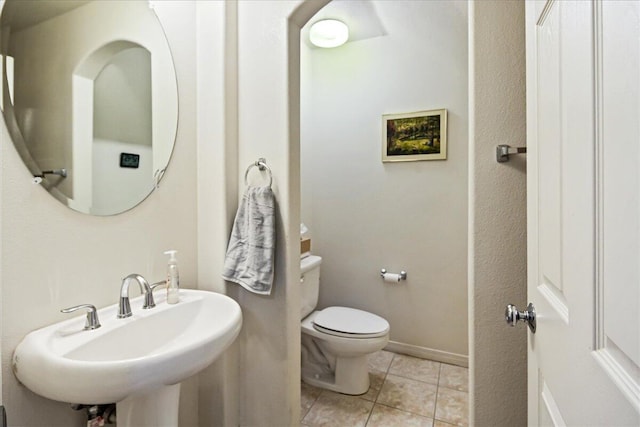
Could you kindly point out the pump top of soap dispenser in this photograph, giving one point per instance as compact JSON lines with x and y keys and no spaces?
{"x":172,"y":256}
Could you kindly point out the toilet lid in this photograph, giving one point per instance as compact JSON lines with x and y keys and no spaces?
{"x":350,"y":321}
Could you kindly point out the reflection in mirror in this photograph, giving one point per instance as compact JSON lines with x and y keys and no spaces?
{"x":89,"y":86}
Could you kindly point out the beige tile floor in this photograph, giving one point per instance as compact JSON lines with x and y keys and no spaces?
{"x":405,"y":391}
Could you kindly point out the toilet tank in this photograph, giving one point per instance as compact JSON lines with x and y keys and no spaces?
{"x":309,"y":284}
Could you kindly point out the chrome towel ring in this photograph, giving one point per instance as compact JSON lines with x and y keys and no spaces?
{"x":261,"y":164}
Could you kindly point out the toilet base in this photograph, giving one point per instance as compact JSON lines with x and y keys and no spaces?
{"x":351,"y":376}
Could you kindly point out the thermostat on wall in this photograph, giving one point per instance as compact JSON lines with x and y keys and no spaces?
{"x":129,"y":160}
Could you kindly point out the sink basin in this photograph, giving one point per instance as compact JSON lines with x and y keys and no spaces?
{"x":128,"y":357}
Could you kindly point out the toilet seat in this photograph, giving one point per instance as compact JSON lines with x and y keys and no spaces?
{"x":350,"y":323}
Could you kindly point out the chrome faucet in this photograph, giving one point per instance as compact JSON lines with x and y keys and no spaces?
{"x":124,"y":308}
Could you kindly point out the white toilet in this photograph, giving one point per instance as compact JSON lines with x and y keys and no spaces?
{"x":337,"y":340}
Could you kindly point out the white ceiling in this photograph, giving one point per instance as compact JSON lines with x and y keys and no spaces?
{"x":20,"y":14}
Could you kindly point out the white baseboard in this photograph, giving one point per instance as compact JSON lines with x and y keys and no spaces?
{"x":428,"y":353}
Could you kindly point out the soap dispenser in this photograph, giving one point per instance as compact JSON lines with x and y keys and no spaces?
{"x":173,"y":279}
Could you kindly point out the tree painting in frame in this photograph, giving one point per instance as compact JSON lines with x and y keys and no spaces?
{"x":414,"y":136}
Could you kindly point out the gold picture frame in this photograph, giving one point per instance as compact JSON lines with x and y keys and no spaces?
{"x":417,"y":136}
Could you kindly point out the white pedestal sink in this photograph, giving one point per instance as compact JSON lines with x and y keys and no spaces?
{"x":137,"y":362}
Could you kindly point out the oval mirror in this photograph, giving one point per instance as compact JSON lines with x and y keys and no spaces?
{"x":90,"y":99}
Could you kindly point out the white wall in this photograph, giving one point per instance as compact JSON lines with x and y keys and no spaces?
{"x":122,"y":98}
{"x":114,"y":187}
{"x":219,"y":392}
{"x":122,"y":109}
{"x":53,"y":257}
{"x":270,"y":340}
{"x":364,"y":214}
{"x":497,"y":215}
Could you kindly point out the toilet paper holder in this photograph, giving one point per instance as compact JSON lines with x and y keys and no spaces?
{"x":403,"y":274}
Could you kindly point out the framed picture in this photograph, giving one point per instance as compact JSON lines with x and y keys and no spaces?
{"x":414,"y":136}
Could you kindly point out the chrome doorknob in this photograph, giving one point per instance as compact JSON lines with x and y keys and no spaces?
{"x":512,"y":316}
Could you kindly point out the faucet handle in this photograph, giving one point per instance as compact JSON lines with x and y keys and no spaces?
{"x":92,"y":315}
{"x":149,"y":302}
{"x":159,"y":284}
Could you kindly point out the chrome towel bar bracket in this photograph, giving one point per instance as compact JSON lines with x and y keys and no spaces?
{"x":503,"y":151}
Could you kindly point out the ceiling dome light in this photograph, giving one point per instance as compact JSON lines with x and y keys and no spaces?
{"x":329,"y":33}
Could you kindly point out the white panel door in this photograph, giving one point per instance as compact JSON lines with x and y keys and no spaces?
{"x":583,"y":184}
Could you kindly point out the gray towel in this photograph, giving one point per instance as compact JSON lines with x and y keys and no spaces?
{"x":250,"y":255}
